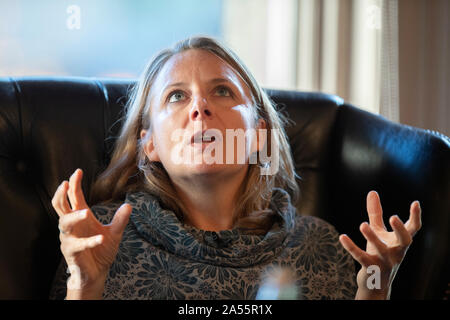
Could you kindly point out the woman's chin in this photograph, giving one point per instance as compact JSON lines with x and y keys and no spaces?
{"x":214,"y":168}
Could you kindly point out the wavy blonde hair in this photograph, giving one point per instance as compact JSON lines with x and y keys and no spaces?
{"x":129,"y":169}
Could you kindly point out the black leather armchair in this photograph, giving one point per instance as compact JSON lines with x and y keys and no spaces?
{"x":51,"y":126}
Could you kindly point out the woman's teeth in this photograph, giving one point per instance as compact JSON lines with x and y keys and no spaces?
{"x":208,"y":139}
{"x":205,"y":139}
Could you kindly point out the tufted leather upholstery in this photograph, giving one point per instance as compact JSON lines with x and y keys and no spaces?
{"x":51,"y":126}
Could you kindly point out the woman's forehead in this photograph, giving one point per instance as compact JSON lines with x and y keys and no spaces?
{"x":197,"y":64}
{"x":199,"y":61}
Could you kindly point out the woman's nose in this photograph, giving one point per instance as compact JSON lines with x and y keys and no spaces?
{"x":200,"y":110}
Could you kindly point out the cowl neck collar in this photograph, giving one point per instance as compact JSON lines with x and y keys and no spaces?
{"x":233,"y":248}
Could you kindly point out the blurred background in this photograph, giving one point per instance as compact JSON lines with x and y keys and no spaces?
{"x":389,"y":57}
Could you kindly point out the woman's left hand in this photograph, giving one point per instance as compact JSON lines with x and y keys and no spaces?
{"x":385,"y":250}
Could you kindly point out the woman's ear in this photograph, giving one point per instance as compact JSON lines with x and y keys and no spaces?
{"x":149,"y":146}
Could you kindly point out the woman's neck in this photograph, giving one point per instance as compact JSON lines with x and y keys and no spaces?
{"x":210,"y":201}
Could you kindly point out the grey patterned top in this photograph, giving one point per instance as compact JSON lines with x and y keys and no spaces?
{"x":161,"y":258}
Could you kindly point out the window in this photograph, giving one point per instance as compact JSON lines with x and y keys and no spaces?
{"x":100,"y":38}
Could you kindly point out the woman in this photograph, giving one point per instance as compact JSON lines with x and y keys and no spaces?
{"x":185,"y":213}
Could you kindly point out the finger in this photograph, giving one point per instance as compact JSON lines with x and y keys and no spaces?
{"x":69,"y":221}
{"x":358,"y":254}
{"x":121,"y":218}
{"x":371,"y":237}
{"x":73,"y":245}
{"x":59,"y":200}
{"x":414,"y":222}
{"x":76,"y":195}
{"x":404,"y":238}
{"x":374,"y":210}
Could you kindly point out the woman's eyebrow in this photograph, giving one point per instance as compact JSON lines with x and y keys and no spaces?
{"x":176,"y":84}
{"x":219,"y":80}
{"x":212,"y":81}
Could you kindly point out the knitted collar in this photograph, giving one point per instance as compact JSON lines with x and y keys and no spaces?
{"x":232,"y":248}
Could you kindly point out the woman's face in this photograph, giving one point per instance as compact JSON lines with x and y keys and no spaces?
{"x":197,"y":91}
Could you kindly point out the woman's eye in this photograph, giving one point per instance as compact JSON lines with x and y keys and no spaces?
{"x":223,"y":91}
{"x":176,"y":96}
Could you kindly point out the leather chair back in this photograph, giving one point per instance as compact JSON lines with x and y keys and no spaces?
{"x":49,"y":126}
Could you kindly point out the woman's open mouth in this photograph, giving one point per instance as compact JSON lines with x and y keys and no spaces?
{"x":202,"y":140}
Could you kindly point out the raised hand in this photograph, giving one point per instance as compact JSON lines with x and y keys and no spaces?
{"x":384,"y":249}
{"x":88,"y":246}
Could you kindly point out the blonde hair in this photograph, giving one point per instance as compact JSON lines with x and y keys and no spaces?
{"x":129,"y":168}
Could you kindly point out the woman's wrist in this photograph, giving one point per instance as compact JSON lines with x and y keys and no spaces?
{"x":373,"y":294}
{"x":87,"y":291}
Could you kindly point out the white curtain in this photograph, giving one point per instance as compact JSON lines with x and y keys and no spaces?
{"x":345,"y":47}
{"x":424,"y":64}
{"x":390,"y":104}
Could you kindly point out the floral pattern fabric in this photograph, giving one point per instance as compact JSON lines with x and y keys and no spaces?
{"x":161,"y":258}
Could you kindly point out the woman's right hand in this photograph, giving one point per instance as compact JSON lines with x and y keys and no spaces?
{"x":88,"y":246}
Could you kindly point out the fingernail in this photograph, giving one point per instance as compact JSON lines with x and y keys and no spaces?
{"x":121,"y":207}
{"x":99,"y":239}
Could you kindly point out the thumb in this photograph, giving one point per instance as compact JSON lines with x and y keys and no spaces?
{"x":121,"y":218}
